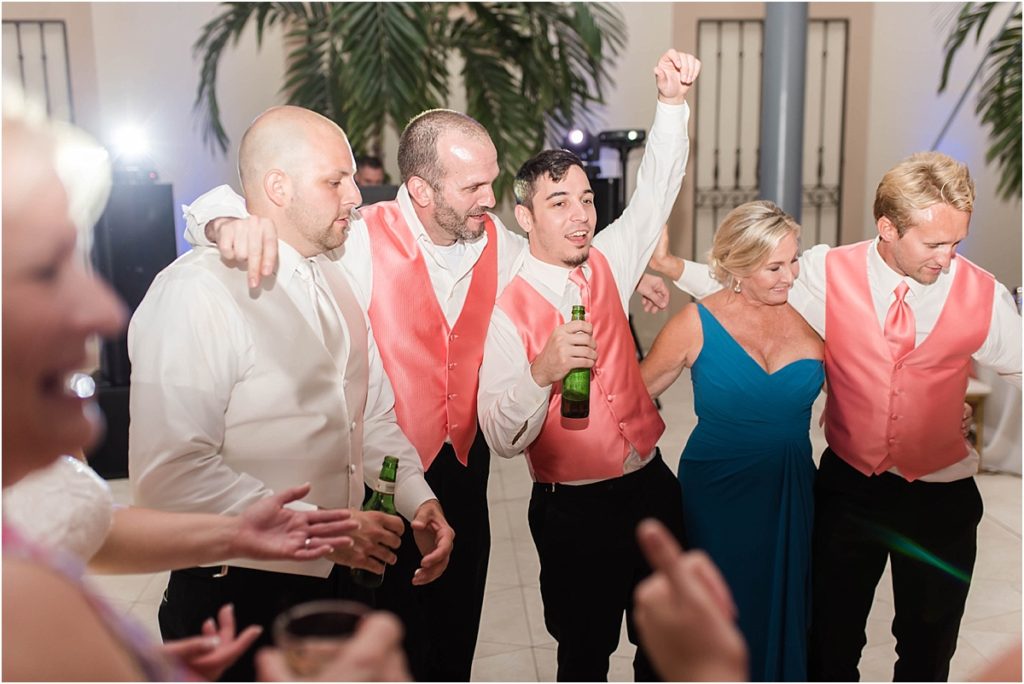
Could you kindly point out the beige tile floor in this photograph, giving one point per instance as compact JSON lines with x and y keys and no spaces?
{"x":514,"y":645}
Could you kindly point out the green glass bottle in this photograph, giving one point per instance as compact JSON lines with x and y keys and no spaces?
{"x":383,"y":500}
{"x":576,"y":385}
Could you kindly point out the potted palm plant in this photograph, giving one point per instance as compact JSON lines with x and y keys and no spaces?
{"x":530,"y":70}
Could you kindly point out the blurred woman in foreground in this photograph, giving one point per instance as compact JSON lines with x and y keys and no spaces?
{"x":54,"y":628}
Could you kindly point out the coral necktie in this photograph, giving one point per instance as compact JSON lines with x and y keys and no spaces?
{"x":577,"y":276}
{"x":900,"y":331}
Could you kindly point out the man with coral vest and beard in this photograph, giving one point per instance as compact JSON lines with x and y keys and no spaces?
{"x":594,"y":479}
{"x":904,"y":317}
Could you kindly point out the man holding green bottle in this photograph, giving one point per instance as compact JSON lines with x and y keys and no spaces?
{"x":596,"y":477}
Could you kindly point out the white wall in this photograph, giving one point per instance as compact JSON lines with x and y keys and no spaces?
{"x":146,"y":74}
{"x":906,"y":114}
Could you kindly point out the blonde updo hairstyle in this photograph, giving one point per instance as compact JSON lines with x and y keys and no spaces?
{"x":746,"y":238}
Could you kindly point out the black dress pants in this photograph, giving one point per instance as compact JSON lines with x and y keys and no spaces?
{"x":442,"y":619}
{"x":194,"y":595}
{"x":927,"y":530}
{"x":590,"y":563}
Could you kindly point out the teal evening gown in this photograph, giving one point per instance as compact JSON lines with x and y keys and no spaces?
{"x":748,"y":493}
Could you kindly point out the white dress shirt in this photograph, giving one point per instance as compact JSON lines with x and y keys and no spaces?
{"x":193,"y":384}
{"x":511,"y":405}
{"x":450,"y":267}
{"x":1001,"y":350}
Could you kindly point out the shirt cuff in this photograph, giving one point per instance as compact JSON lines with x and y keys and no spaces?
{"x":410,"y":495}
{"x":678,"y":111}
{"x":695,"y":280}
{"x":529,"y":396}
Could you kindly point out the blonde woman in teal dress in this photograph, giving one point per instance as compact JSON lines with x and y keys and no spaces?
{"x":747,"y":473}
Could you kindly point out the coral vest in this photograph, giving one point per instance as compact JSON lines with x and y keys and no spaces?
{"x":298,"y":415}
{"x":433,"y":367}
{"x":883,"y":412}
{"x":621,"y":411}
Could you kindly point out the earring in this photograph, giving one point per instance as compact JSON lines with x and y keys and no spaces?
{"x":736,"y":287}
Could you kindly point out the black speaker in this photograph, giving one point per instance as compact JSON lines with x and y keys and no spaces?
{"x":606,"y":201}
{"x":133,"y":241}
{"x":109,"y":457}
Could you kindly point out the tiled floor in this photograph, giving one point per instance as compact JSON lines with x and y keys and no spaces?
{"x":514,"y":645}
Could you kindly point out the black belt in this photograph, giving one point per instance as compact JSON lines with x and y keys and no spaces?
{"x":631,"y":481}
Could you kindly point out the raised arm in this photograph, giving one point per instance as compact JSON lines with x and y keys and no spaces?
{"x":628,"y":241}
{"x":676,"y":347}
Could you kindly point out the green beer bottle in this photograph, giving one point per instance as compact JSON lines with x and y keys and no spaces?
{"x":383,"y":500}
{"x":576,"y":385}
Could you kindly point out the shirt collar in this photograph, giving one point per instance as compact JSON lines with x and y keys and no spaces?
{"x":289,"y":260}
{"x":887,"y":279}
{"x":552,"y":276}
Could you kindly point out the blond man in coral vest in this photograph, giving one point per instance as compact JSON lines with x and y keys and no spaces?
{"x":904,"y":316}
{"x":594,"y":479}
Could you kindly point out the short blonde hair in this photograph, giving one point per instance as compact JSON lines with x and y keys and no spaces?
{"x":746,"y":238}
{"x":920,"y":181}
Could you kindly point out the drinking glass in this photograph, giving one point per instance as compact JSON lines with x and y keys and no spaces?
{"x":311,"y":634}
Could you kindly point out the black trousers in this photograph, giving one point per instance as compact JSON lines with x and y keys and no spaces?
{"x":194,"y":594}
{"x":927,"y":530}
{"x":442,"y":619}
{"x":590,"y":563}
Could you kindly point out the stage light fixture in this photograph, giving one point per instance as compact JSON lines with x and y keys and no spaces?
{"x":132,"y":162}
{"x":580,"y":143}
{"x":131,"y":142}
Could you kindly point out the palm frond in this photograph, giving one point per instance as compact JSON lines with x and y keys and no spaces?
{"x":529,"y":68}
{"x":999,"y":95}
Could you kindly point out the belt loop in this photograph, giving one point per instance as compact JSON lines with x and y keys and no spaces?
{"x":222,"y":572}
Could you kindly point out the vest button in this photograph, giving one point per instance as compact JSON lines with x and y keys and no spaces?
{"x":894,"y":417}
{"x":597,"y":371}
{"x":352,"y":468}
{"x":622,"y":426}
{"x":454,"y":426}
{"x":892,"y":440}
{"x":352,"y":426}
{"x":610,"y":397}
{"x":452,"y":396}
{"x":453,"y":336}
{"x":451,"y":366}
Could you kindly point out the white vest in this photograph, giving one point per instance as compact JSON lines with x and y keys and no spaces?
{"x":298,"y":415}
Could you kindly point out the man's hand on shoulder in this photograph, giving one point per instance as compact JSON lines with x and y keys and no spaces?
{"x":675,"y":73}
{"x":252,"y":240}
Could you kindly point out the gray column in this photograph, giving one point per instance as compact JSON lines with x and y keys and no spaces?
{"x":782,"y":104}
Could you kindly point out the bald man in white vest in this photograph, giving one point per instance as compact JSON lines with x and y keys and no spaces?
{"x":237,"y":391}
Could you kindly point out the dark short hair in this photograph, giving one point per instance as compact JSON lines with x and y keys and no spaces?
{"x":552,"y":163}
{"x":369,"y":161}
{"x":417,"y":148}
